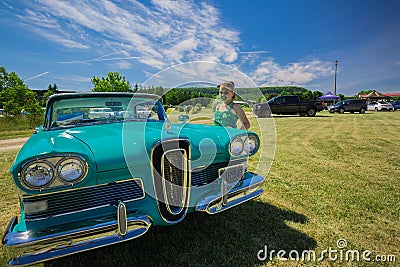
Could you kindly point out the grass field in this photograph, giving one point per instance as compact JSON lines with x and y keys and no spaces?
{"x":18,"y":126}
{"x":333,"y":177}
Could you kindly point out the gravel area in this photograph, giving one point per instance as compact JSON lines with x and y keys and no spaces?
{"x":12,"y":144}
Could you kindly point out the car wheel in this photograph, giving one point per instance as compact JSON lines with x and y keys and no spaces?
{"x":362,"y":111}
{"x":311,"y":112}
{"x":341,"y":111}
{"x":266,"y":113}
{"x":376,"y":109}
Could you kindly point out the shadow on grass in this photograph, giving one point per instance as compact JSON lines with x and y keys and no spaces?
{"x":232,"y":238}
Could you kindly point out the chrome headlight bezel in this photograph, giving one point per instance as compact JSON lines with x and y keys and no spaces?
{"x":67,"y":161}
{"x":54,"y":166}
{"x":236,"y":146}
{"x":37,"y":168}
{"x":243,"y":145}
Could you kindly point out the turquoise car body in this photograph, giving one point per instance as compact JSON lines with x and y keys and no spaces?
{"x":132,"y":174}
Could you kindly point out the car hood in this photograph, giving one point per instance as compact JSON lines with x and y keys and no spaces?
{"x":117,"y":146}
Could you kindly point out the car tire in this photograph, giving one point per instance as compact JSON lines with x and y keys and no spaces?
{"x":362,"y":111}
{"x":376,"y":109}
{"x":311,"y":112}
{"x":341,"y":111}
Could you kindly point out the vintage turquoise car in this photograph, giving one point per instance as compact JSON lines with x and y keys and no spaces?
{"x":89,"y":181}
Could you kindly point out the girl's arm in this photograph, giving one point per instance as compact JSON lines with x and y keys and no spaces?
{"x":242,"y":116}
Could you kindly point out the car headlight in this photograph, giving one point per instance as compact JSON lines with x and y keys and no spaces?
{"x":236,"y":146}
{"x":250,"y":144}
{"x":71,"y":170}
{"x":38,"y":174}
{"x":55,"y":171}
{"x":243,"y":145}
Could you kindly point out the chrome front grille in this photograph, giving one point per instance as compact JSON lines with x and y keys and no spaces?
{"x":173,"y":167}
{"x":205,"y":175}
{"x":86,"y":198}
{"x":170,"y":160}
{"x":208,"y":174}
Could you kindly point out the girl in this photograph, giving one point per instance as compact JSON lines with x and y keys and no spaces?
{"x":228,"y":113}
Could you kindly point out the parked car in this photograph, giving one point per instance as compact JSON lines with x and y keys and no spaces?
{"x":371,"y":106}
{"x":144,"y":112}
{"x":349,"y":105}
{"x":288,"y":104}
{"x":381,"y":105}
{"x":98,"y":113}
{"x":396,"y":104}
{"x":87,"y":182}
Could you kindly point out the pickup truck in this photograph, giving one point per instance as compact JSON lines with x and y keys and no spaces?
{"x":287,"y":104}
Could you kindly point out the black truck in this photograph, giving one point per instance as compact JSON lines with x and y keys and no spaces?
{"x":287,"y":104}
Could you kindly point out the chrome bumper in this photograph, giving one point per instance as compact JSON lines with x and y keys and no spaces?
{"x":26,"y":248}
{"x":248,"y":189}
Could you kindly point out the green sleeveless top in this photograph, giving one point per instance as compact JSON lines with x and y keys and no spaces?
{"x":225,"y":118}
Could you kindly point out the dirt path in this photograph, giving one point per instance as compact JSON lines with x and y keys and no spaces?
{"x":11,"y":144}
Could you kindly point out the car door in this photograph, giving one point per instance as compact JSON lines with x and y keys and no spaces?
{"x":292,"y":104}
{"x":351,"y":106}
{"x":279,"y":105}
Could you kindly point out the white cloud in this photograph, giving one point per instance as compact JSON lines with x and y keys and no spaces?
{"x":269,"y":73}
{"x":159,"y":35}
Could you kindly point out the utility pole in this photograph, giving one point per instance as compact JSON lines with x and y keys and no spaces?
{"x":336,"y":63}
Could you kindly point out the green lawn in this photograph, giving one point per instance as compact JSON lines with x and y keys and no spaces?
{"x":18,"y":126}
{"x":333,"y":177}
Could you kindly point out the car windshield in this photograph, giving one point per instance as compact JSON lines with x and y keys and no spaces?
{"x":84,"y":111}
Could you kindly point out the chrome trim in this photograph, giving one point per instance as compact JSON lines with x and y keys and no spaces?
{"x":183,"y":204}
{"x":160,"y":143}
{"x":53,"y":160}
{"x":224,"y":193}
{"x":25,"y":248}
{"x":248,"y":189}
{"x":84,"y":174}
{"x":122,"y":219}
{"x":243,"y":138}
{"x":22,"y":176}
{"x":88,"y":209}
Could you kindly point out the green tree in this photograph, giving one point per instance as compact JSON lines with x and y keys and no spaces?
{"x":308,"y":95}
{"x":51,"y":90}
{"x":15,"y":96}
{"x":317,"y":94}
{"x":114,"y":82}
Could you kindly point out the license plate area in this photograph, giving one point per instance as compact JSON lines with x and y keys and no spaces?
{"x":231,"y":174}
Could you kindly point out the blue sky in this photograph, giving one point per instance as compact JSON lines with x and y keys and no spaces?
{"x":272,"y":43}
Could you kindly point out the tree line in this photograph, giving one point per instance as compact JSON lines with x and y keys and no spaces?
{"x":17,"y":98}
